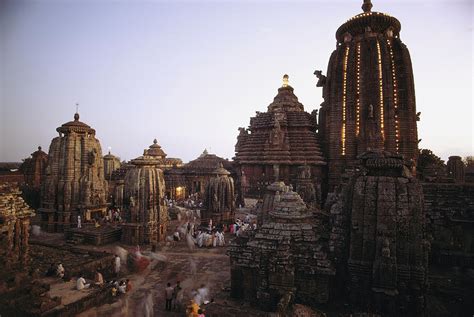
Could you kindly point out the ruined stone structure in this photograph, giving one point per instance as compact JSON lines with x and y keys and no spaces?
{"x":34,"y":170}
{"x":74,"y":183}
{"x":193,"y":177}
{"x":285,"y":259}
{"x":380,"y":213}
{"x":456,"y":168}
{"x":369,"y":94}
{"x":219,"y":198}
{"x":15,"y":217}
{"x":276,"y":145}
{"x":146,"y":215}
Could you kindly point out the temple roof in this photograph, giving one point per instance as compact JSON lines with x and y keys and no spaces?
{"x":206,"y":164}
{"x":39,"y":153}
{"x":285,"y":100}
{"x":110,"y":156}
{"x":286,"y":134}
{"x":155,"y":150}
{"x":75,"y":126}
{"x":377,"y":22}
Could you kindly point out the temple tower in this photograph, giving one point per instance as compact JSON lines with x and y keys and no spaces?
{"x":34,"y":171}
{"x":369,"y":93}
{"x":34,"y":168}
{"x":111,"y":163}
{"x":75,"y":183}
{"x":276,"y":144}
{"x":146,"y":214}
{"x":219,"y":198}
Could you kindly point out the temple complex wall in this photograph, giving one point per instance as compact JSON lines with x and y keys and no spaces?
{"x":449,"y":209}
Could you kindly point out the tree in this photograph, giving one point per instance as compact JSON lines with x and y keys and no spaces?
{"x":429,"y":165}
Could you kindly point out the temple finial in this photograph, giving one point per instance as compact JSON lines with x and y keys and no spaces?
{"x":367,"y":6}
{"x":76,"y":115}
{"x":285,"y":80}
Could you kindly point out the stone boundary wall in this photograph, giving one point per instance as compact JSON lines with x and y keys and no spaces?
{"x":449,"y":209}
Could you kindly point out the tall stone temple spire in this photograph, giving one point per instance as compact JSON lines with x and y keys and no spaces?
{"x":369,"y":93}
{"x":74,"y":184}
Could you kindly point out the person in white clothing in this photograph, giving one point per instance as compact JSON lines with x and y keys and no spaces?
{"x":79,"y":222}
{"x":60,"y":270}
{"x":81,"y":283}
{"x":117,"y":265}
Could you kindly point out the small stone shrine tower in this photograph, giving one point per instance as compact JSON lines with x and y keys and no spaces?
{"x":285,"y":260}
{"x":219,"y":198}
{"x":146,"y":214}
{"x":456,"y":168}
{"x":74,"y":183}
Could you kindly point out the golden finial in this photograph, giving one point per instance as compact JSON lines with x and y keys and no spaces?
{"x":285,"y":80}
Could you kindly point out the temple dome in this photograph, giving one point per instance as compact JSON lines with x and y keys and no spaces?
{"x":378,"y":22}
{"x":206,"y":163}
{"x":156,"y":150}
{"x":76,"y":126}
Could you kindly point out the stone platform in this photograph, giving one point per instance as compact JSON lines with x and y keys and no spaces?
{"x":95,"y":236}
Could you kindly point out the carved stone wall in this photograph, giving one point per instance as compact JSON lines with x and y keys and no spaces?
{"x":386,"y":245}
{"x":15,"y":217}
{"x":450,"y":212}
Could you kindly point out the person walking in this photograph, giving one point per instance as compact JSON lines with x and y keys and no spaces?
{"x":175,"y":297}
{"x":168,"y":296}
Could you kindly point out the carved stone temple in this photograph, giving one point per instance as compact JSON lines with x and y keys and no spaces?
{"x":34,"y":171}
{"x":382,"y":253}
{"x":277,"y":144}
{"x":285,"y":259}
{"x":192,"y":178}
{"x":369,"y":93}
{"x":74,"y":184}
{"x":146,"y":214}
{"x":219,"y":198}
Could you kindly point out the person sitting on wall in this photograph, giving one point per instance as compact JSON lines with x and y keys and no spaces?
{"x":60,"y":271}
{"x":99,"y":279}
{"x":81,"y":283}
